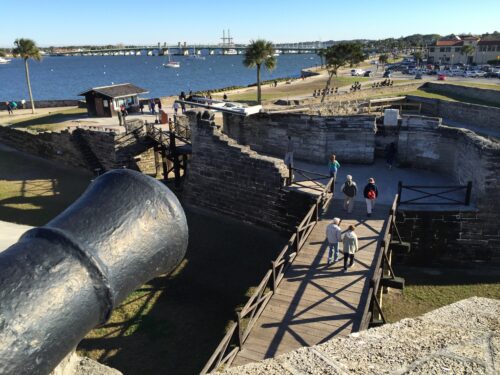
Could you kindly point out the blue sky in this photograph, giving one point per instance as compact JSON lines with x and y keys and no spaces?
{"x":64,"y":22}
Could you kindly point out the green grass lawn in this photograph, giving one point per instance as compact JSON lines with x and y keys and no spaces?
{"x":173,"y":324}
{"x":429,"y":289}
{"x":489,"y":86}
{"x":284,"y":91}
{"x":33,"y":191}
{"x":49,"y":121}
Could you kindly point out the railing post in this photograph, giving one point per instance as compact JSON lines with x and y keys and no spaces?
{"x":290,"y":175}
{"x":468,"y":193}
{"x":400,"y":188}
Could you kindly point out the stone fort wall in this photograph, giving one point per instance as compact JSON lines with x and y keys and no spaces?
{"x":453,"y":235}
{"x":234,"y":180}
{"x":315,"y":138}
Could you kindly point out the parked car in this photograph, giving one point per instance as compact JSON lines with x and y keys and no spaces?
{"x":387,"y":74}
{"x":480,"y":73}
{"x":368,"y":73}
{"x":357,"y":72}
{"x":442,"y":77}
{"x":470,"y":74}
{"x":418,"y":75}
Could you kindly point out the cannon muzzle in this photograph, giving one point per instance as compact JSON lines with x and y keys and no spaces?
{"x":61,"y":280}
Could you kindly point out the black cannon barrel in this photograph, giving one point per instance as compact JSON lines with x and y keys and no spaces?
{"x":61,"y":280}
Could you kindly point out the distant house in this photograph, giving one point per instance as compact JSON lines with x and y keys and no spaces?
{"x":448,"y":50}
{"x":105,"y":101}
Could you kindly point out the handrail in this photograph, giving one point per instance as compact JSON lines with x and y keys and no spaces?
{"x":382,"y":259}
{"x":251,"y":311}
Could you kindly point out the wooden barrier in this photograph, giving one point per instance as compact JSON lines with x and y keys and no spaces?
{"x":239,"y":331}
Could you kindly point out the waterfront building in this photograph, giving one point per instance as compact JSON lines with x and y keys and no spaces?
{"x":105,"y":101}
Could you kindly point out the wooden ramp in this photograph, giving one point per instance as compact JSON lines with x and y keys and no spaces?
{"x":316,"y":301}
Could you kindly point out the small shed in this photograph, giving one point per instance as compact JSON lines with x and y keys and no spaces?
{"x":105,"y":101}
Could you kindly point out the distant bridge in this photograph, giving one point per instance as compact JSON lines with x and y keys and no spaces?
{"x":186,"y":50}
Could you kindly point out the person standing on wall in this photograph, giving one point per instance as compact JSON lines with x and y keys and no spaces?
{"x":334,"y":236}
{"x":289,"y":158}
{"x":350,"y":246}
{"x":371,"y":194}
{"x":333,"y":167}
{"x":350,"y":189}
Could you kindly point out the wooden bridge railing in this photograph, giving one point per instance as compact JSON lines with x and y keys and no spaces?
{"x":239,"y":331}
{"x":383,"y":271}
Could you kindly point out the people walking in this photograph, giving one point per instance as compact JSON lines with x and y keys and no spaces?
{"x":350,"y":246}
{"x":350,"y":189}
{"x":9,"y":108}
{"x":390,"y":154}
{"x":370,"y":193}
{"x":333,"y":167}
{"x":334,"y":236}
{"x":152,"y":106}
{"x":176,"y":107}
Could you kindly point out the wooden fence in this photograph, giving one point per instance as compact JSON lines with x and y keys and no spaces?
{"x":239,"y":330}
{"x":442,"y":194}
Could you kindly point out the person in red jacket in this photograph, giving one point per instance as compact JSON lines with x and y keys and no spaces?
{"x":370,"y":193}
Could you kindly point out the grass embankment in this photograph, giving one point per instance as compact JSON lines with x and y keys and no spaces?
{"x":33,"y":191}
{"x":296,"y":89}
{"x":173,"y":324}
{"x":488,"y":86}
{"x":429,"y":289}
{"x":47,"y":121}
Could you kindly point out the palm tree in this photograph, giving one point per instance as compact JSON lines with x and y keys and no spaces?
{"x":468,"y":50}
{"x":418,"y":57}
{"x":257,"y":53}
{"x":27,"y":49}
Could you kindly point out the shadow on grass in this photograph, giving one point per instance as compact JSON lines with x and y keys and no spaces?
{"x":51,"y":119}
{"x":33,"y":191}
{"x":174,"y":323}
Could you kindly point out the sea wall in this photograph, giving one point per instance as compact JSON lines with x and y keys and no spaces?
{"x":458,"y":234}
{"x":481,"y":116}
{"x":232,"y":179}
{"x":315,"y":138}
{"x":477,"y":93}
{"x":47,"y":103}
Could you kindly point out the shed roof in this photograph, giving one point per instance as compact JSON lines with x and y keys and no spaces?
{"x":116,"y":91}
{"x":489,"y":42}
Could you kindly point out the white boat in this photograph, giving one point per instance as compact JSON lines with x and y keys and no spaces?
{"x":4,"y":61}
{"x":230,"y":51}
{"x":172,"y":64}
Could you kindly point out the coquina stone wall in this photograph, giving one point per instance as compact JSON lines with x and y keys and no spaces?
{"x":53,"y":146}
{"x":460,"y":234}
{"x":315,"y":138}
{"x":231,"y":179}
{"x":481,"y":116}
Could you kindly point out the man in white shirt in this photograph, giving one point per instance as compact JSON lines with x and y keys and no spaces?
{"x":334,"y":236}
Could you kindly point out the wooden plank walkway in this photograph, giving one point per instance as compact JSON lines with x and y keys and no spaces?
{"x":316,"y":302}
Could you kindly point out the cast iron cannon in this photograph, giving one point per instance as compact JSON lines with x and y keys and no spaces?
{"x":61,"y":280}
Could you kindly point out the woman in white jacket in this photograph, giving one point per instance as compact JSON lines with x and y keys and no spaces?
{"x":350,"y":242}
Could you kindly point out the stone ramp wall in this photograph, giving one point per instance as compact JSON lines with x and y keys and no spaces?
{"x":231,"y":179}
{"x":315,"y":138}
{"x":477,"y":93}
{"x":481,"y":116}
{"x":462,"y":338}
{"x":457,"y":236}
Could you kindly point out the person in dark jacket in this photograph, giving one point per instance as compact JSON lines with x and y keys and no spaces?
{"x":370,"y":193}
{"x":390,"y":154}
{"x":350,"y":189}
